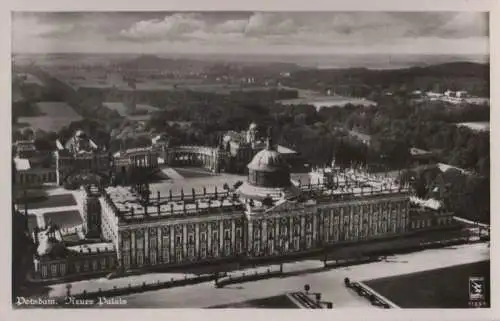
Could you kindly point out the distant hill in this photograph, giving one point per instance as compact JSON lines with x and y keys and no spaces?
{"x":473,"y":77}
{"x":152,"y":62}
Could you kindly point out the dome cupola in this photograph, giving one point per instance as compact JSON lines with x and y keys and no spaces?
{"x":268,"y":175}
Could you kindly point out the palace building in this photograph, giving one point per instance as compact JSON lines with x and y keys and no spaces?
{"x":79,"y":157}
{"x":269,"y":215}
{"x":80,"y":160}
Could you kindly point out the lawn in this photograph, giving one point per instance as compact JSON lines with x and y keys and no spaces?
{"x":56,"y":116}
{"x":273,"y":302}
{"x":52,"y":201}
{"x":441,"y":288}
{"x":65,"y":219}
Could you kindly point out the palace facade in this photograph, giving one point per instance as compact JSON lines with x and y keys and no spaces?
{"x":269,"y":215}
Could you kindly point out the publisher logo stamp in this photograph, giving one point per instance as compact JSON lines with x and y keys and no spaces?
{"x":476,"y":288}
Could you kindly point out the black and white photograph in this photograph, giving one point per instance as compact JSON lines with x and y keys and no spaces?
{"x":250,"y":160}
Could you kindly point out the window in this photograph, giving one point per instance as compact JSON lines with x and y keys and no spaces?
{"x":191,"y":253}
{"x":103,"y":263}
{"x":227,"y":249}
{"x":296,"y":244}
{"x":177,"y":240}
{"x":126,"y":245}
{"x":44,"y":271}
{"x":62,"y":269}
{"x":203,"y":236}
{"x":227,"y":235}
{"x":140,"y":258}
{"x":178,"y":255}
{"x":77,"y":268}
{"x":153,"y":257}
{"x":140,"y":243}
{"x":203,"y":251}
{"x":165,"y":245}
{"x":152,"y":243}
{"x":53,"y":269}
{"x":297,"y":230}
{"x":126,"y":261}
{"x":215,"y":249}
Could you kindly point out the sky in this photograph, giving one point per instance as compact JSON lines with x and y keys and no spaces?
{"x":252,"y":32}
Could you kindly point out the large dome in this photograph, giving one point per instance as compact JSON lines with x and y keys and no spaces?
{"x":267,"y":160}
{"x":268,"y":176}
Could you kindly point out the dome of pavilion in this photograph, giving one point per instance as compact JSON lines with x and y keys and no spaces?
{"x":268,"y":160}
{"x":268,"y":176}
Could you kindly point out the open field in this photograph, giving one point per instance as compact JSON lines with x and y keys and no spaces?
{"x":57,"y":109}
{"x":30,"y":79}
{"x":441,"y":288}
{"x":56,"y":115}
